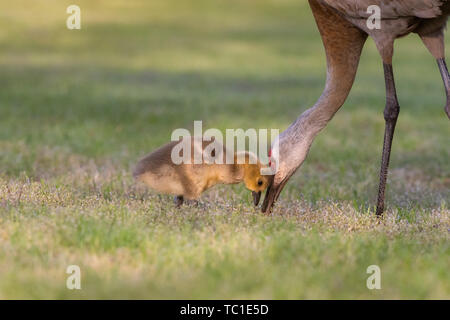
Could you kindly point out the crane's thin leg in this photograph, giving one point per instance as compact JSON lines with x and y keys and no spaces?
{"x":446,"y":79}
{"x":391,"y":112}
{"x":434,"y":41}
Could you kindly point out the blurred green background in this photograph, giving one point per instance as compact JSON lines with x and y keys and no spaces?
{"x":79,"y":107}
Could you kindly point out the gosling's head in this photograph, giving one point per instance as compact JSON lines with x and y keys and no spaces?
{"x":253,"y":179}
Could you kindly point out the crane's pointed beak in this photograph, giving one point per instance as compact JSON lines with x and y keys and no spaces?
{"x":272,"y":194}
{"x":256,"y":197}
{"x":269,"y":200}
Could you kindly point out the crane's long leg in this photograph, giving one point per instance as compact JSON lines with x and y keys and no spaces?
{"x":391,"y":112}
{"x":434,"y":41}
{"x":446,"y":79}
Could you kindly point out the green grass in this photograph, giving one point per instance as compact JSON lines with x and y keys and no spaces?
{"x":78,"y":108}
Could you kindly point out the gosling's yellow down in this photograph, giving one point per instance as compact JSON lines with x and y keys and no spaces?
{"x":188,"y":181}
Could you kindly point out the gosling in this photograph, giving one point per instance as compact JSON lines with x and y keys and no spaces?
{"x":189,"y":180}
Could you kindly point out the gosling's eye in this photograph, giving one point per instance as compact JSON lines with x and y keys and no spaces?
{"x":260,"y":183}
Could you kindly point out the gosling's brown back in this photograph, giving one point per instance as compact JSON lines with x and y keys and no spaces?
{"x":160,"y":173}
{"x":155,"y":160}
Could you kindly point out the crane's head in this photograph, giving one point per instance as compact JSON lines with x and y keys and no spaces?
{"x":286,"y":155}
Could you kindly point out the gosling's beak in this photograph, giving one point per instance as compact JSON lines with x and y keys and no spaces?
{"x":256,"y":197}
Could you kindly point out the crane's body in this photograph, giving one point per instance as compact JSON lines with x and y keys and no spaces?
{"x":343,"y":28}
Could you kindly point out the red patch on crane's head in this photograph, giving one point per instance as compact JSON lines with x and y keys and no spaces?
{"x":270,"y":160}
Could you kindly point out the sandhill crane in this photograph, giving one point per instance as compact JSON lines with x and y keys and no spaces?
{"x":344,"y":30}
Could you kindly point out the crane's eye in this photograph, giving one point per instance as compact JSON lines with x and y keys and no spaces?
{"x":260,"y":183}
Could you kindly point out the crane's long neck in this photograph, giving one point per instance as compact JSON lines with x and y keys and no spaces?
{"x":310,"y":122}
{"x":343,"y":45}
{"x":297,"y":139}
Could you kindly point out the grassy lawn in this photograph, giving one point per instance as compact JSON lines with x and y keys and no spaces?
{"x":79,"y":107}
